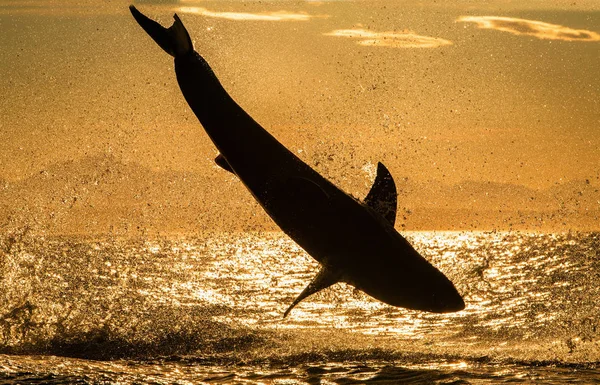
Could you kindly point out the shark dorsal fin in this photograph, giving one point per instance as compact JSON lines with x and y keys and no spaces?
{"x":324,"y":278}
{"x":222,"y":162}
{"x":383,"y":197}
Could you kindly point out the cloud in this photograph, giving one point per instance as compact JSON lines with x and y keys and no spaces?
{"x":262,"y":16}
{"x":534,"y":28}
{"x":405,"y":39}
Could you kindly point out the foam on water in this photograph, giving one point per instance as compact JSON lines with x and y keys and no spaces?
{"x":211,"y":305}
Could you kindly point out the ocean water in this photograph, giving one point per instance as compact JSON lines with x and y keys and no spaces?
{"x":208,"y":309}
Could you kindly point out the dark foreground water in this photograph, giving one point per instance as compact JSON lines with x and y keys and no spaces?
{"x":209,"y":309}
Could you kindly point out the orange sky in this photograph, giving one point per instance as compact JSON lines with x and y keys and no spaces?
{"x":489,"y":92}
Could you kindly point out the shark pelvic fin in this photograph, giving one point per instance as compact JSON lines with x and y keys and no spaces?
{"x":222,"y":162}
{"x":324,"y":278}
{"x":383,"y":197}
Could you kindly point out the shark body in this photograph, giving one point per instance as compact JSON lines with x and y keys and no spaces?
{"x":354,"y":242}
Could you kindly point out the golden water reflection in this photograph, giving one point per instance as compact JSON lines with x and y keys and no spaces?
{"x":519,"y":289}
{"x":258,"y":275}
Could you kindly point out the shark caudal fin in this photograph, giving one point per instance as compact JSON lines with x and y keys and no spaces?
{"x":175,"y":40}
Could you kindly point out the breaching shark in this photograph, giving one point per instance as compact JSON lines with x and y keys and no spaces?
{"x":354,"y":242}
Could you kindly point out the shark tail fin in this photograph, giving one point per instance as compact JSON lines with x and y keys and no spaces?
{"x":174,"y":40}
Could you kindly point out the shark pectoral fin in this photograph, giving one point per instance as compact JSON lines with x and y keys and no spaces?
{"x":222,"y":162}
{"x":383,"y":197}
{"x":324,"y":278}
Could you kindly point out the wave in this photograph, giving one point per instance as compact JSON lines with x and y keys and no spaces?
{"x":379,"y":357}
{"x":347,"y":366}
{"x":215,"y":301}
{"x":170,"y":332}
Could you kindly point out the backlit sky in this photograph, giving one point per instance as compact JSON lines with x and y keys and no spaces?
{"x":490,"y":92}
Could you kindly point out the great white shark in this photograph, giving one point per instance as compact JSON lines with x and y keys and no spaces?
{"x":354,"y":242}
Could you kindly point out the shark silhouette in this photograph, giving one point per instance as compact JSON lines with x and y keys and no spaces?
{"x":354,"y":242}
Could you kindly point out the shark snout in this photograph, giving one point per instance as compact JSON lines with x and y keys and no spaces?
{"x":448,"y":302}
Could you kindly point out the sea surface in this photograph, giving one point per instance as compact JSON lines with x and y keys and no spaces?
{"x":209,"y":309}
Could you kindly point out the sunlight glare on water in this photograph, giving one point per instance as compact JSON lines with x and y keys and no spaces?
{"x":222,"y":297}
